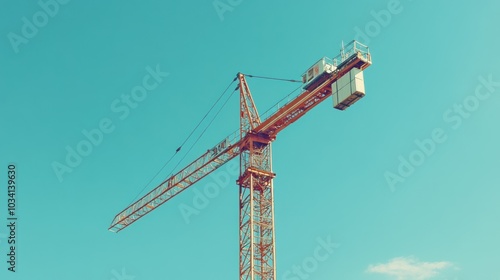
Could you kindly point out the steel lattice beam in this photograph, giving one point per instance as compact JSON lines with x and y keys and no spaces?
{"x":197,"y":170}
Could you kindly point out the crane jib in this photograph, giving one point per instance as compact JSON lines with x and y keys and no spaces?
{"x":198,"y":169}
{"x":219,"y":148}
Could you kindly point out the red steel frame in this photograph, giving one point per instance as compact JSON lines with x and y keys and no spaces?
{"x":257,"y":251}
{"x":256,"y":222}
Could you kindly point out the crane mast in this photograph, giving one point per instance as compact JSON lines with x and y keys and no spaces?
{"x":255,"y":181}
{"x":257,"y":253}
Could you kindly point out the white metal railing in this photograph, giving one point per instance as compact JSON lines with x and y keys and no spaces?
{"x":350,"y":50}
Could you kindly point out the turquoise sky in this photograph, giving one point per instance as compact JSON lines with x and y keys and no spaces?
{"x":403,"y":185}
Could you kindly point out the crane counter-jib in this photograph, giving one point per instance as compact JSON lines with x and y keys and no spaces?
{"x":307,"y":100}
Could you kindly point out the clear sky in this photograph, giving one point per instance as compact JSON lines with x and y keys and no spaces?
{"x":404,"y":185}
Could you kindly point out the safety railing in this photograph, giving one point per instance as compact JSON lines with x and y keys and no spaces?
{"x":350,"y":50}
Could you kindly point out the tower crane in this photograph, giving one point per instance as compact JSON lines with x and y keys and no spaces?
{"x":341,"y":77}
